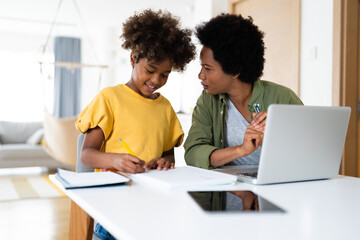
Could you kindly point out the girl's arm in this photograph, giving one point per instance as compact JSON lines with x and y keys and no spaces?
{"x":167,"y":161}
{"x":93,"y":157}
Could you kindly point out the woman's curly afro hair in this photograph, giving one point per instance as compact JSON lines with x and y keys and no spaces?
{"x":157,"y":36}
{"x":237,"y":44}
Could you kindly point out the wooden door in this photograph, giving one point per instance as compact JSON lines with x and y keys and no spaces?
{"x":346,"y":76}
{"x":280,"y":21}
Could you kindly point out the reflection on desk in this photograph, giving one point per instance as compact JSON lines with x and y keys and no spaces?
{"x":233,"y":201}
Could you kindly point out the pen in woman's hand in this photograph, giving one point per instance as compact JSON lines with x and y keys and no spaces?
{"x":257,"y":110}
{"x":257,"y":107}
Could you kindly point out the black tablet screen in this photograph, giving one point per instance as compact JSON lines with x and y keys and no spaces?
{"x":233,"y":201}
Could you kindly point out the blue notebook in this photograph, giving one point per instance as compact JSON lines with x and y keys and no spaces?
{"x":71,"y":179}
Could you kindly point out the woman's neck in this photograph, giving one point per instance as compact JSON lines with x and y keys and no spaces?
{"x":241,"y":93}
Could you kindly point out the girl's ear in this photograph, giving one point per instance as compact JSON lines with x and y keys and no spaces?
{"x":132,"y":60}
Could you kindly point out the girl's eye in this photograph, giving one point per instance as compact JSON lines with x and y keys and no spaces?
{"x":149,"y":71}
{"x":164,"y":76}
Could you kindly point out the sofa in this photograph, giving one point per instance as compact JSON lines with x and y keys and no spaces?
{"x":20,"y":146}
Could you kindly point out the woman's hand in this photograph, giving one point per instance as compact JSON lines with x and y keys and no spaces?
{"x":250,"y":201}
{"x":259,"y":121}
{"x":252,"y":140}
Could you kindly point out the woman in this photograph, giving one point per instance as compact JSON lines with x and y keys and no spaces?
{"x":225,"y":126}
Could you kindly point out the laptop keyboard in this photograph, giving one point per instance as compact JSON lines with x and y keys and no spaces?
{"x":249,"y":175}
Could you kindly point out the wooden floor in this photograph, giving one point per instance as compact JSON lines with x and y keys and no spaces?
{"x":35,"y":219}
{"x":40,"y":218}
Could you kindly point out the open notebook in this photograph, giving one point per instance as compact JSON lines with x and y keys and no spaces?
{"x":184,"y":177}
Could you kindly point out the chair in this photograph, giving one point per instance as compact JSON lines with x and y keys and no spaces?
{"x":81,"y":224}
{"x":60,"y":138}
{"x":80,"y":167}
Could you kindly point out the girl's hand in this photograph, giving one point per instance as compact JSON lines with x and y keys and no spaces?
{"x":161,"y":164}
{"x":259,"y":121}
{"x":252,"y":140}
{"x":128,"y":163}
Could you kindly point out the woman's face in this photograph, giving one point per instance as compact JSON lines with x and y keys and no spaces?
{"x":212,"y":77}
{"x":148,"y":76}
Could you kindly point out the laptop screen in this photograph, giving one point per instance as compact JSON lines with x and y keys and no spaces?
{"x":233,"y":201}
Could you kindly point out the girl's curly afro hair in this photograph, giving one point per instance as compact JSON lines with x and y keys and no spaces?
{"x":158,"y":36}
{"x":237,"y":44}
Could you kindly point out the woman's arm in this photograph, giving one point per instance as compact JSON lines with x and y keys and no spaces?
{"x":93,"y":157}
{"x":252,"y":140}
{"x":200,"y":142}
{"x":203,"y":147}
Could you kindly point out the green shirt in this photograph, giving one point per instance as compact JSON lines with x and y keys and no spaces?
{"x":208,"y":119}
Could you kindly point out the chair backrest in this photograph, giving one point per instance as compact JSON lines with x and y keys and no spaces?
{"x":60,"y":138}
{"x":80,"y":167}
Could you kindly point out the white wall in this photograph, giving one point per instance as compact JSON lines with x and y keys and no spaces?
{"x":103,"y":21}
{"x":182,"y":89}
{"x":316,"y":52}
{"x":24,"y":26}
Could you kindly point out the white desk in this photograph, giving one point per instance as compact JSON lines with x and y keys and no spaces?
{"x":325,"y":209}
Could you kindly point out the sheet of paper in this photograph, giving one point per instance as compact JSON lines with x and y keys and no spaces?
{"x":183,"y":177}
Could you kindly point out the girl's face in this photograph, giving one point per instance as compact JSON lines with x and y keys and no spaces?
{"x":148,"y":76}
{"x":212,"y":77}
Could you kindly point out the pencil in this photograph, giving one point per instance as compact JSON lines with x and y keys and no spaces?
{"x":129,"y":150}
{"x":126,"y":147}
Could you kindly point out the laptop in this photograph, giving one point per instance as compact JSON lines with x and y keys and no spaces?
{"x":300,"y":143}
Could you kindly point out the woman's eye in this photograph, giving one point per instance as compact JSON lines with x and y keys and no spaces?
{"x":205,"y":67}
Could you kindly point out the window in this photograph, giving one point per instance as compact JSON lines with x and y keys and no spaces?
{"x":22,"y":87}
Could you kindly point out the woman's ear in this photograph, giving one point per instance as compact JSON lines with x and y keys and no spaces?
{"x":236,"y":75}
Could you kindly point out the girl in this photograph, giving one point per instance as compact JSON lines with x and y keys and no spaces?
{"x":134,"y":112}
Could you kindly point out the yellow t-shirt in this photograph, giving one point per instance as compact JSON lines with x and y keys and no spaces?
{"x":149,"y":127}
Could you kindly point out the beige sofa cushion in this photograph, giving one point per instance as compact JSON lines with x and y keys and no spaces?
{"x":36,"y":137}
{"x":22,"y":151}
{"x":17,"y":132}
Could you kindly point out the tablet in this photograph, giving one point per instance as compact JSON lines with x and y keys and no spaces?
{"x":233,"y":201}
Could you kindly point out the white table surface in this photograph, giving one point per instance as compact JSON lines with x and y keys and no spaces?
{"x":323,"y":209}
